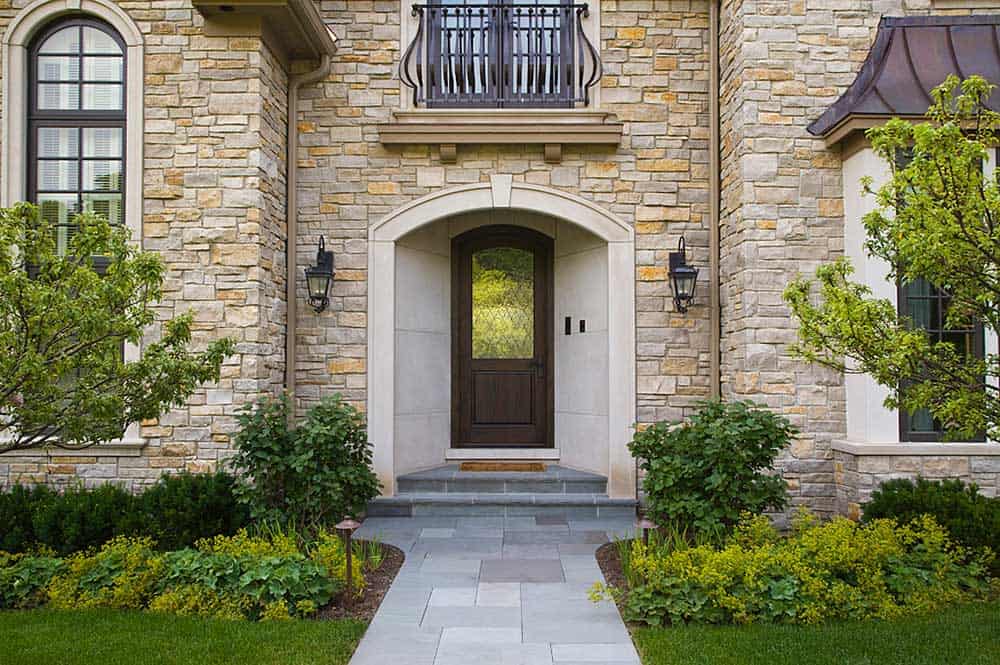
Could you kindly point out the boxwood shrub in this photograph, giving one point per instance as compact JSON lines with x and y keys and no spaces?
{"x":971,"y":518}
{"x":175,"y":512}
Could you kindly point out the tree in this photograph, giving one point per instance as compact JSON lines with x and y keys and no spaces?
{"x":65,"y":317}
{"x":937,"y":219}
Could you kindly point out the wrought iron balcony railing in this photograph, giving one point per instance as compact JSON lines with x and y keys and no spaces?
{"x":500,"y":54}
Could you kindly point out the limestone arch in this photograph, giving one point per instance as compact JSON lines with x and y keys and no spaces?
{"x":503,"y":193}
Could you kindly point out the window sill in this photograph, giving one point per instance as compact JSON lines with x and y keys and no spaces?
{"x":913,"y":449}
{"x":550,"y":127}
{"x":124,"y":448}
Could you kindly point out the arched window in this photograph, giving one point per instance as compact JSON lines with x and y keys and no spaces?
{"x":76,"y":122}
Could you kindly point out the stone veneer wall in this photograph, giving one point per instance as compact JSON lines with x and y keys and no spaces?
{"x":857,"y":476}
{"x":783,"y":62}
{"x":213,"y":188}
{"x":656,"y":81}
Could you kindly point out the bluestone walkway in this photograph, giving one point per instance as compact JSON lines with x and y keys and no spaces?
{"x":495,"y":591}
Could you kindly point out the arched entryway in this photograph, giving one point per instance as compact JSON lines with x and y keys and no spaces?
{"x":413,"y":344}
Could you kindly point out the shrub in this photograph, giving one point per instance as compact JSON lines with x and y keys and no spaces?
{"x":837,"y":570}
{"x":181,"y":509}
{"x":704,"y":473}
{"x":122,"y":575}
{"x":16,"y":509}
{"x":972,"y":519}
{"x":80,"y":518}
{"x":175,"y":512}
{"x":309,"y":476}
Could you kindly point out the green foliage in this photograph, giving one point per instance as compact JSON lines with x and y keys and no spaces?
{"x":305,"y":477}
{"x":176,"y":511}
{"x":23,"y":580}
{"x":937,"y":220}
{"x":181,"y":509}
{"x":64,"y":318}
{"x":122,"y":575}
{"x":239,"y":577}
{"x":329,"y":552}
{"x":837,"y":570}
{"x":973,"y":520}
{"x":702,"y":474}
{"x":79,"y":518}
{"x":17,"y":506}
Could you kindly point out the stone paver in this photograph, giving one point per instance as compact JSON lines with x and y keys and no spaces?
{"x":495,"y":591}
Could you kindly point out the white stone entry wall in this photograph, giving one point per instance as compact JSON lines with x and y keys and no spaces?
{"x":422,"y":418}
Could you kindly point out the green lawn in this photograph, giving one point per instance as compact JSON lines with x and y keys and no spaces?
{"x":141,"y":638}
{"x":966,"y":635}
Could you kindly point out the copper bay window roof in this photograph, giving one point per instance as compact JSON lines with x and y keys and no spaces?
{"x":911,"y":56}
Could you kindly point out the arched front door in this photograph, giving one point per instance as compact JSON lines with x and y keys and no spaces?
{"x":502,"y":368}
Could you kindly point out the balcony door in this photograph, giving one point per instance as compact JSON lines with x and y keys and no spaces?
{"x":502,"y":381}
{"x":501,"y":53}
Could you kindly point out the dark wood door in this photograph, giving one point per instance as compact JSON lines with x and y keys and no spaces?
{"x":502,"y":388}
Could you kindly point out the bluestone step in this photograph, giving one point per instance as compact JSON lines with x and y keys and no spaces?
{"x":554,"y":480}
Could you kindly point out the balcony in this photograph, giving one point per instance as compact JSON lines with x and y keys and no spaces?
{"x":501,"y":71}
{"x":500,"y":54}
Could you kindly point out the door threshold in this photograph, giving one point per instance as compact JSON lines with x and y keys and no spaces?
{"x":513,"y":454}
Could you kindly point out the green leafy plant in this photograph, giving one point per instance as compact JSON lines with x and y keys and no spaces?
{"x":831,"y":571}
{"x":180,"y":509}
{"x":329,"y":551}
{"x":972,"y":519}
{"x":369,"y":552}
{"x":78,"y":518}
{"x":122,"y":575}
{"x":702,"y":474}
{"x":935,"y":220}
{"x":176,"y":511}
{"x":23,"y":582}
{"x":64,"y":318}
{"x":309,"y":476}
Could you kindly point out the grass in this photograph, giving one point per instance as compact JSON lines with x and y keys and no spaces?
{"x":963,"y":635}
{"x":144,"y":638}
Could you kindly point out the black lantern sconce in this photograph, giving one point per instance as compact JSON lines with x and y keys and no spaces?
{"x":319,"y":276}
{"x":682,"y":277}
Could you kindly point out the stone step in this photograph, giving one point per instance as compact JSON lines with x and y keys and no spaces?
{"x":554,"y":480}
{"x":509,"y":504}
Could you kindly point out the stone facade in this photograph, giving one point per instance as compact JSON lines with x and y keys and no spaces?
{"x":214,"y":187}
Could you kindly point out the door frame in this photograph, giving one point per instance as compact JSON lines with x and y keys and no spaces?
{"x":462,"y":247}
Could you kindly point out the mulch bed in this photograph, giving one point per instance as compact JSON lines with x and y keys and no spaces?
{"x":611,"y":565}
{"x":378,"y":582}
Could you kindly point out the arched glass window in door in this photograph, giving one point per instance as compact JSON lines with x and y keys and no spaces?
{"x":76,"y":123}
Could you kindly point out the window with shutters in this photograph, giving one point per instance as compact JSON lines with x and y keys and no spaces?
{"x":76,"y":123}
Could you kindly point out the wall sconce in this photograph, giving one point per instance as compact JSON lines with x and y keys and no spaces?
{"x":682,"y":277}
{"x":319,"y":276}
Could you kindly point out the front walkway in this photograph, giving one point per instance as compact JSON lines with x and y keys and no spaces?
{"x":495,"y":591}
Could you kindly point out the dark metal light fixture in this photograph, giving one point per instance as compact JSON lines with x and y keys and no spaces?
{"x":346,"y":528}
{"x":319,"y":276}
{"x":682,"y":277}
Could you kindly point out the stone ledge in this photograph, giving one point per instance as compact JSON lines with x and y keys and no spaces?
{"x":916,"y":449}
{"x":123,"y":449}
{"x":550,"y":127}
